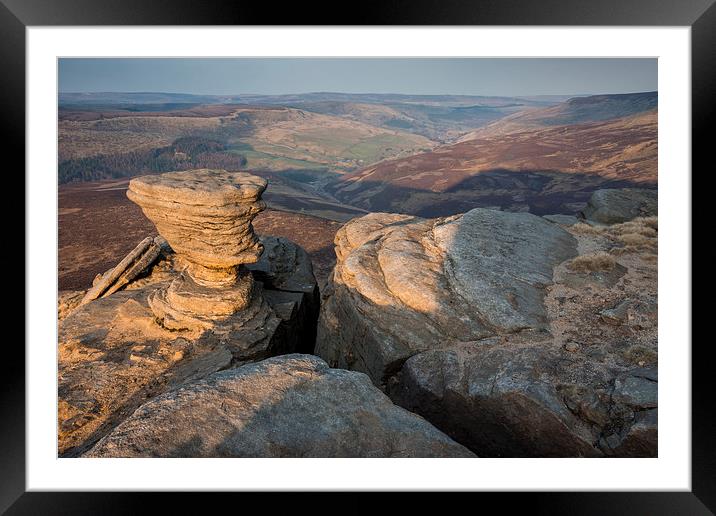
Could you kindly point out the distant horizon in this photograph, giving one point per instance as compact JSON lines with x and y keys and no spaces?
{"x":484,"y":77}
{"x":328,"y":92}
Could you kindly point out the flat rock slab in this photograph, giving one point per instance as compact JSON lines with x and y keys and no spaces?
{"x":203,"y":187}
{"x":288,"y":406}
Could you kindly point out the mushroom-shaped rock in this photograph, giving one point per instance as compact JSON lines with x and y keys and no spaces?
{"x":205,"y":215}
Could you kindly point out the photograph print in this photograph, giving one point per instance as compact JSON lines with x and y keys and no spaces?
{"x":357,"y":257}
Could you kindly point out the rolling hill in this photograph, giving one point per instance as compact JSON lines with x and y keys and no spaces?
{"x":272,"y":138}
{"x":549,"y":169}
{"x":575,"y":110}
{"x":424,"y":154}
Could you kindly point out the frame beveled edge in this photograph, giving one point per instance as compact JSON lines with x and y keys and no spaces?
{"x":703,"y":115}
{"x":15,"y":15}
{"x":12,"y":392}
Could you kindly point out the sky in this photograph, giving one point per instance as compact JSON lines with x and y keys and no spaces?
{"x":415,"y":76}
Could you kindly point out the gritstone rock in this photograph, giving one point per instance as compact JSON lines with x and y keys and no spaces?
{"x":116,"y":352}
{"x":288,"y":406}
{"x":471,"y":320}
{"x":612,"y":206}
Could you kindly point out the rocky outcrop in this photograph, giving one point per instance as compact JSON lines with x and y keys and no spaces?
{"x":613,"y":206}
{"x":113,"y":355}
{"x":120,"y":350}
{"x":290,"y":286}
{"x":514,"y":335}
{"x":289,"y":406}
{"x":404,"y":285}
{"x":501,"y":398}
{"x":524,"y":397}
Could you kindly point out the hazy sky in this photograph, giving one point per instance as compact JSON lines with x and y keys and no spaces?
{"x":475,"y":76}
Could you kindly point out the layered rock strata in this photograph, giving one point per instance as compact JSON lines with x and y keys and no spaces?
{"x":205,"y":215}
{"x":403,"y":285}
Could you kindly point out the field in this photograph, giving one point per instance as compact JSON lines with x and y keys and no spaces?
{"x":266,"y":138}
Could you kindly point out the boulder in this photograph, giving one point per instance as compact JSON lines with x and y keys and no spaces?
{"x":288,"y":406}
{"x":501,"y":398}
{"x":205,"y":216}
{"x":613,"y":206}
{"x":403,"y":285}
{"x":520,"y":397}
{"x":477,"y":323}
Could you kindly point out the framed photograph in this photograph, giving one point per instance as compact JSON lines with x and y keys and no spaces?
{"x":418,"y":252}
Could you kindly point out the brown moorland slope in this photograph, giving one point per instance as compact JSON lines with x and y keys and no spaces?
{"x":577,"y":110}
{"x":545,"y":170}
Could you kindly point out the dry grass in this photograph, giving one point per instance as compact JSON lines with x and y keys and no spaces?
{"x":638,"y":235}
{"x":651,"y":222}
{"x":634,"y":239}
{"x":596,"y":262}
{"x":582,"y":228}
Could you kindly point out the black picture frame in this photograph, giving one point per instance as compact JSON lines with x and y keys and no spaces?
{"x":700,"y":15}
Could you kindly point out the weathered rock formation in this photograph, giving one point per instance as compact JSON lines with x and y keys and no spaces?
{"x":183,"y":318}
{"x":205,"y":215}
{"x":288,"y":406}
{"x":492,"y":326}
{"x":404,"y":285}
{"x":613,"y":206}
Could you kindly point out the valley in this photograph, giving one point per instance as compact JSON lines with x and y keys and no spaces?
{"x":332,"y":157}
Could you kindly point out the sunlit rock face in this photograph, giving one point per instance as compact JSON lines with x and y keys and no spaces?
{"x":289,"y":406}
{"x":403,"y":285}
{"x":484,"y":324}
{"x":205,"y":215}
